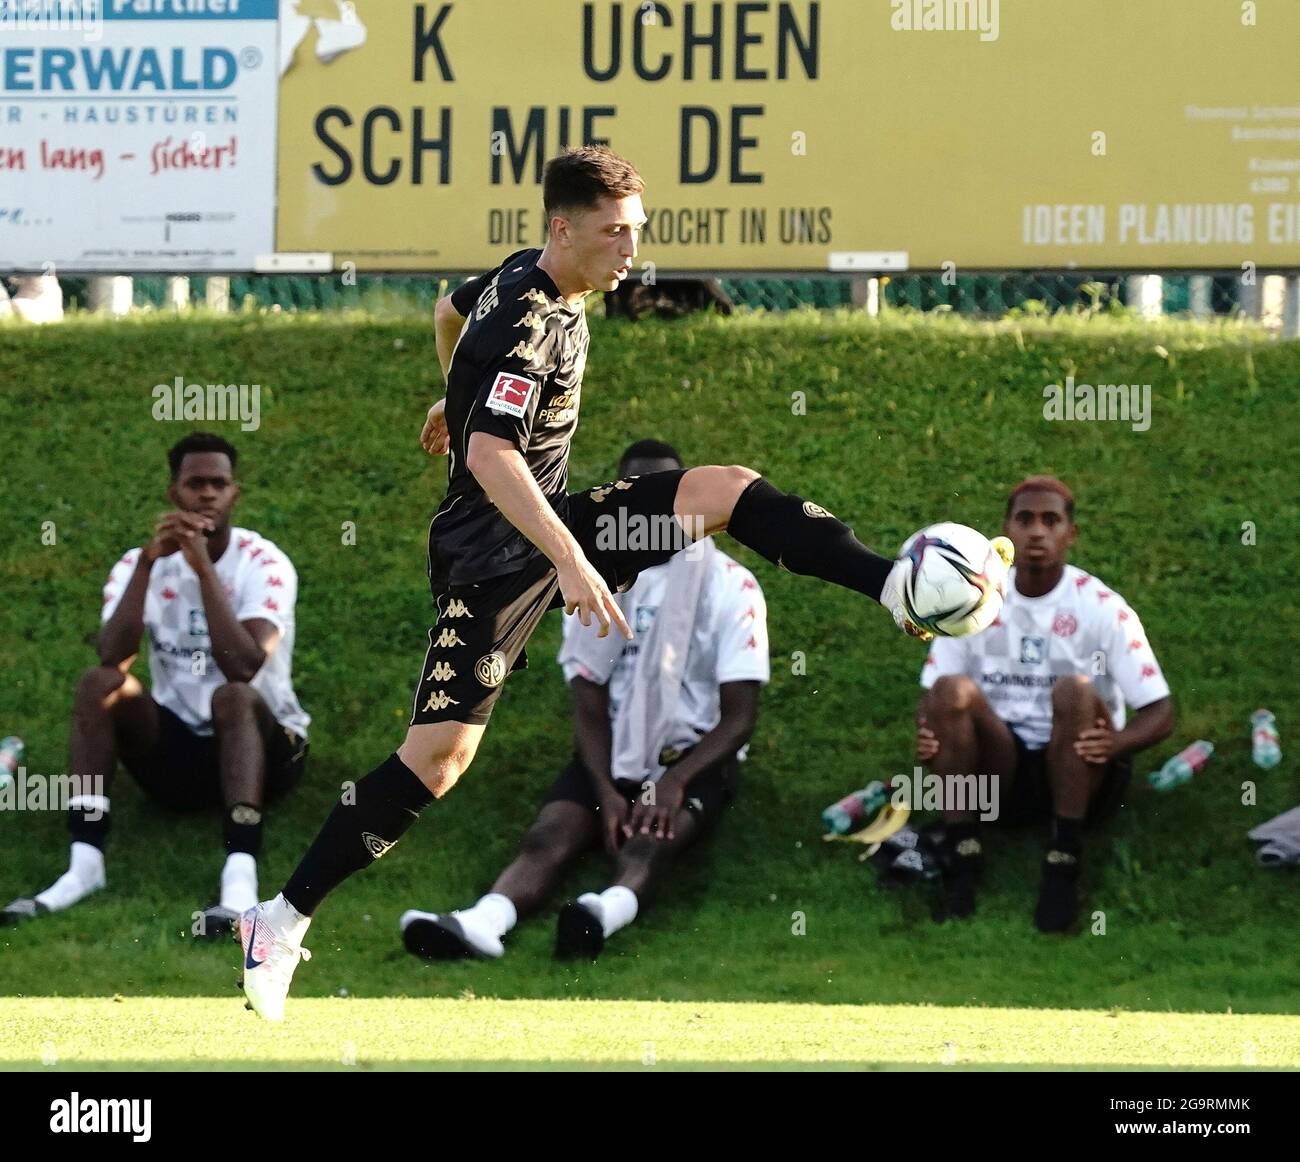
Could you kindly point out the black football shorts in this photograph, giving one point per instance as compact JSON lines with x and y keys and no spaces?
{"x":181,"y":771}
{"x":1030,"y":799}
{"x":481,"y":629}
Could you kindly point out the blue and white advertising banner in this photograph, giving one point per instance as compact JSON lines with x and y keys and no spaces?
{"x":137,"y":135}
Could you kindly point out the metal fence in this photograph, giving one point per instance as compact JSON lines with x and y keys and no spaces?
{"x":978,"y":295}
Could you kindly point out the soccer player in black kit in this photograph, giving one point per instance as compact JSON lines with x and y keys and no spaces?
{"x":509,"y":542}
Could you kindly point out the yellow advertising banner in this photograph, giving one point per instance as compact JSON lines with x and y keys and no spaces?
{"x":800,"y":135}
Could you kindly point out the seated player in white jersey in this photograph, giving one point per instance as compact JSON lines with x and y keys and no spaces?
{"x":661,"y":724}
{"x":1036,"y":703}
{"x":219,"y":724}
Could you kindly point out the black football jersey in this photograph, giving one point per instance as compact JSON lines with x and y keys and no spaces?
{"x":517,"y":374}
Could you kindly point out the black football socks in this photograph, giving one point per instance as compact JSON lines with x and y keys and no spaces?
{"x":242,"y":829}
{"x":963,"y":865}
{"x":88,"y":820}
{"x":803,"y":537}
{"x":1058,"y":892}
{"x":371,"y":816}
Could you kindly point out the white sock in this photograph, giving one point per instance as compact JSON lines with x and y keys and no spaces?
{"x":494,"y":913}
{"x":239,"y":882}
{"x":85,"y":874}
{"x":288,"y":923}
{"x":615,"y":907}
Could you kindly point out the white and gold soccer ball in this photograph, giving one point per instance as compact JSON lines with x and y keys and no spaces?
{"x":953,"y":579}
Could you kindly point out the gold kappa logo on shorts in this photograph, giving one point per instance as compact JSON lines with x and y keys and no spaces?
{"x":456,"y":608}
{"x":441,"y":672}
{"x":490,"y":669}
{"x":599,"y":494}
{"x":814,"y":510}
{"x":449,"y":637}
{"x":438,"y":700}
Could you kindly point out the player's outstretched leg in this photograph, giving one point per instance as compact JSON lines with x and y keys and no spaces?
{"x":793,"y":533}
{"x":370,"y":817}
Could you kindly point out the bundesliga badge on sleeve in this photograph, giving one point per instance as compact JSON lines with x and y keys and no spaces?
{"x":510,"y":394}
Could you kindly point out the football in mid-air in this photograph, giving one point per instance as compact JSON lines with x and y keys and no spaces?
{"x":955,"y":580}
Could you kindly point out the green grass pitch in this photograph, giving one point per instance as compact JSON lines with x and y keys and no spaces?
{"x":906,"y":422}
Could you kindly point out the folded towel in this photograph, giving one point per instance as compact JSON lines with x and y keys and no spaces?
{"x":1281,"y":840}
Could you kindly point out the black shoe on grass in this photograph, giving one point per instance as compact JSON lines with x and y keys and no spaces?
{"x":1058,"y":894}
{"x":579,"y":934}
{"x":23,"y":908}
{"x":218,"y":923}
{"x":963,"y":867}
{"x":436,"y":937}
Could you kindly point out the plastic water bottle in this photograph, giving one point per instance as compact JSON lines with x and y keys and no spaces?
{"x":1265,"y":745}
{"x":1182,"y":766}
{"x":854,"y":811}
{"x":11,"y":758}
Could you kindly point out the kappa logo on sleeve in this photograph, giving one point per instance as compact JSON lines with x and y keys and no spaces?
{"x":510,"y":394}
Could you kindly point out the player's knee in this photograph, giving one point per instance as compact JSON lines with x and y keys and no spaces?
{"x":639,"y":851}
{"x":1072,"y":692}
{"x":232,"y":703}
{"x":735,"y":479}
{"x":439,"y":770}
{"x":709,"y":493}
{"x":546,"y":842}
{"x":98,"y":685}
{"x":954,"y":693}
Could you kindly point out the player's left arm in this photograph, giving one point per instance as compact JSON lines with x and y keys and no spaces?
{"x":447,"y":325}
{"x":238,"y":647}
{"x":738,"y":703}
{"x":738,"y":707}
{"x":1132,"y":665}
{"x":449,"y":315}
{"x":1151,"y":724}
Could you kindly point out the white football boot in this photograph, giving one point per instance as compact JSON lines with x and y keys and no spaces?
{"x":891,"y":597}
{"x":269,"y":961}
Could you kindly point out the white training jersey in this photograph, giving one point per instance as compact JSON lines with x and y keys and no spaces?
{"x":259,"y":581}
{"x":1080,"y":627}
{"x":728,"y":644}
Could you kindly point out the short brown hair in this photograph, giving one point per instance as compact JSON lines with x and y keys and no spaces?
{"x":578,"y":178}
{"x":1042,"y":484}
